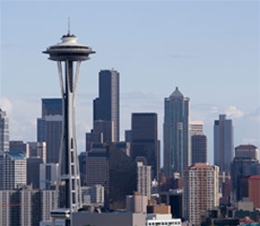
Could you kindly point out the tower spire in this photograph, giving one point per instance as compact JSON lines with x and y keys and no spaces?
{"x":68,"y":25}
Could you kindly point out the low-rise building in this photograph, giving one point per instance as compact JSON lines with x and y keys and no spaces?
{"x":161,"y":220}
{"x":108,"y":219}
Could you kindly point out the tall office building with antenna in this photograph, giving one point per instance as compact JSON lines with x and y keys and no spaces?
{"x":68,"y":54}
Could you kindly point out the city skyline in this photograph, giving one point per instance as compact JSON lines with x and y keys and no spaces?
{"x":209,"y":50}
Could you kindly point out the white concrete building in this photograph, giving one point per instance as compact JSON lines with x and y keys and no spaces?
{"x":144,"y":182}
{"x":161,"y":220}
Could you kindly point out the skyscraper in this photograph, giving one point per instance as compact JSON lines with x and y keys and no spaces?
{"x":242,"y":166}
{"x":223,"y":144}
{"x":199,"y":150}
{"x":14,"y":170}
{"x":19,"y":145}
{"x":51,"y":106}
{"x":177,"y":155}
{"x":200,"y":191}
{"x":144,"y":141}
{"x":247,"y":150}
{"x":92,"y":138}
{"x":37,"y":149}
{"x":4,"y":131}
{"x":49,"y":127}
{"x":106,"y":106}
{"x":196,"y":128}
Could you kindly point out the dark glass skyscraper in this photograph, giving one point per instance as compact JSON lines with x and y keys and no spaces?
{"x":49,"y":127}
{"x":106,"y":106}
{"x":177,"y":155}
{"x":199,"y":151}
{"x":223,"y":144}
{"x":144,"y":140}
{"x":51,"y":106}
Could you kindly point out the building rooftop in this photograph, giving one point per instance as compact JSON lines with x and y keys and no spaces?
{"x":246,"y":146}
{"x":254,"y":177}
{"x":176,"y":94}
{"x":16,"y":155}
{"x":201,"y":165}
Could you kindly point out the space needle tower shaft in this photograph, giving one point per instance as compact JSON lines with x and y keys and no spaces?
{"x":68,"y":54}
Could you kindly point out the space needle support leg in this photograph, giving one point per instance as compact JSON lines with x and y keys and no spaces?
{"x":77,"y":179}
{"x":62,"y":135}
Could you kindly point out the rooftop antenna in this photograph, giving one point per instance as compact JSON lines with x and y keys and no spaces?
{"x":68,"y":25}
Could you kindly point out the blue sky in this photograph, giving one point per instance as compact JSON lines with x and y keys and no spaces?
{"x":209,"y":49}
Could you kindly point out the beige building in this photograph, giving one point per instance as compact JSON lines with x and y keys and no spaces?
{"x":158,"y":209}
{"x":136,"y":203}
{"x":196,"y":128}
{"x":200,"y":191}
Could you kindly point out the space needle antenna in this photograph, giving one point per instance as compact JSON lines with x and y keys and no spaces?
{"x":68,"y":25}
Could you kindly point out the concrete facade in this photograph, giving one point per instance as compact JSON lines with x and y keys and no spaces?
{"x":200,"y":191}
{"x":108,"y":219}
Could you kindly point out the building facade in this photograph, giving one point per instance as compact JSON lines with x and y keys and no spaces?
{"x":49,"y":127}
{"x":37,"y":150}
{"x":93,"y":195}
{"x":144,"y":182}
{"x":247,"y":150}
{"x":177,"y":154}
{"x":144,"y":142}
{"x":33,"y":171}
{"x":4,"y":131}
{"x":199,"y":149}
{"x":106,"y":106}
{"x":96,"y":165}
{"x":223,"y":144}
{"x":19,"y":145}
{"x":92,"y":138}
{"x":242,"y":167}
{"x":14,"y":170}
{"x":196,"y":128}
{"x":48,"y":175}
{"x":106,"y":128}
{"x":200,"y":191}
{"x":253,"y":190}
{"x":136,"y":203}
{"x":25,"y":206}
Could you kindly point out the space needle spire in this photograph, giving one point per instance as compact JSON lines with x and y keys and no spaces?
{"x":68,"y":54}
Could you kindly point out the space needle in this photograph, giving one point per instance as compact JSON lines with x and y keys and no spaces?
{"x":68,"y":54}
